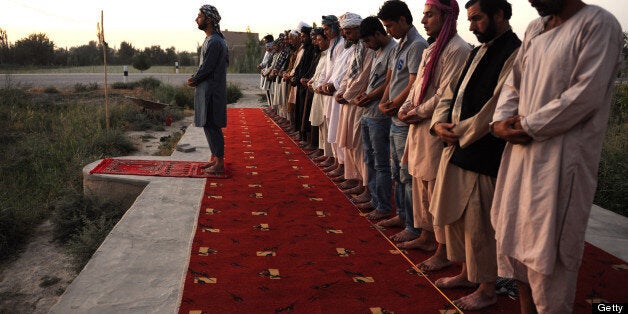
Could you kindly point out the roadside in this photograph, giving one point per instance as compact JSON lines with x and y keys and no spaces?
{"x":34,"y":281}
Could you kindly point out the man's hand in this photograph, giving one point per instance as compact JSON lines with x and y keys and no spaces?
{"x":191,"y":83}
{"x":445,"y":132}
{"x":340,"y":99}
{"x":329,"y":89}
{"x":304,"y":81}
{"x":361,"y":100}
{"x":388,"y":108}
{"x":510,"y":129}
{"x":409,"y":117}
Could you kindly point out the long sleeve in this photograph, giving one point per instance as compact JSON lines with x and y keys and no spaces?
{"x":360,"y":83}
{"x":441,"y":112}
{"x":451,"y":67}
{"x":209,"y":64}
{"x":598,"y":58}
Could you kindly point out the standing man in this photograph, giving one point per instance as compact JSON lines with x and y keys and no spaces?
{"x":552,"y":111}
{"x":375,"y":124}
{"x":355,"y":81}
{"x":210,"y":81}
{"x":316,"y":116}
{"x":468,"y":165}
{"x":439,"y":69}
{"x":396,"y":17}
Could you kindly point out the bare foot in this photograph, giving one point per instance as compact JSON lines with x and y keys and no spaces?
{"x":458,"y":281}
{"x":215,"y":169}
{"x":358,"y":189}
{"x":418,"y":243}
{"x":434,"y":263}
{"x":364,"y":197}
{"x":477,"y":300}
{"x":209,"y":164}
{"x":375,"y":215}
{"x":403,"y":236}
{"x":392,"y":222}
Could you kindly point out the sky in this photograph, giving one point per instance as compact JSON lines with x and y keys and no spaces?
{"x":71,"y":23}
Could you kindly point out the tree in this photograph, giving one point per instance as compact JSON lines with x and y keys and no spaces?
{"x":5,"y":49}
{"x":186,"y":58}
{"x":141,"y":62}
{"x":85,"y":55}
{"x":171,"y":56}
{"x":36,"y":49}
{"x":126,"y":53}
{"x":253,"y":54}
{"x":156,"y":55}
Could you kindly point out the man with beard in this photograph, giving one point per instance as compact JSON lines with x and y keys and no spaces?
{"x":331,"y":28}
{"x":303,"y":71}
{"x":210,"y":81}
{"x":468,"y":165}
{"x":340,"y":64}
{"x":355,"y":81}
{"x":552,"y":112}
{"x":316,"y":116}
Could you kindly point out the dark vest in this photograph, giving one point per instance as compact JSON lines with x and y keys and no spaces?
{"x":484,"y":155}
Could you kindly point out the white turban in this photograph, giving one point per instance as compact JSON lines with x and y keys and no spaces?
{"x":302,"y":25}
{"x":349,"y":20}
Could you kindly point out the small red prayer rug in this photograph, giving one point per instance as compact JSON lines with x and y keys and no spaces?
{"x":159,"y":168}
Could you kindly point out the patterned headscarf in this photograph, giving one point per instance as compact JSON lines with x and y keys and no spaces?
{"x":349,"y":20}
{"x":211,"y":13}
{"x":450,"y":13}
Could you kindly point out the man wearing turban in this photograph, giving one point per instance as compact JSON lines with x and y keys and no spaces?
{"x":210,"y":81}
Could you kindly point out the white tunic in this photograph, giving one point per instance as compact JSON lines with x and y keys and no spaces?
{"x":561,"y":83}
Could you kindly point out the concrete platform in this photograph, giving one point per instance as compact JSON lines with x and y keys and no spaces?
{"x":141,"y":265}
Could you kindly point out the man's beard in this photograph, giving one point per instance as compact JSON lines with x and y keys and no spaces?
{"x":489,"y":34}
{"x":548,"y":7}
{"x":203,"y":25}
{"x":348,"y":43}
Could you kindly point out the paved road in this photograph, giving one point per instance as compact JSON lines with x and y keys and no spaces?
{"x":66,"y":80}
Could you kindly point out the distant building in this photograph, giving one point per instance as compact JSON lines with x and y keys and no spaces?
{"x":236,"y":42}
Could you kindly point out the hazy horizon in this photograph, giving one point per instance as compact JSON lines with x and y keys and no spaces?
{"x":144,"y":25}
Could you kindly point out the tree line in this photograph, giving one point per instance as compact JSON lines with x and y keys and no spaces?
{"x":38,"y":50}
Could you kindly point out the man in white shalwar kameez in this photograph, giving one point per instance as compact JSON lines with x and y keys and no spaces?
{"x":349,"y":133}
{"x":332,"y":113}
{"x":553,"y":112}
{"x":317,"y":118}
{"x":331,"y":29}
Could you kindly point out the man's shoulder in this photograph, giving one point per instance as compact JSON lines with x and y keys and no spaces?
{"x":417,"y":41}
{"x":457,"y":43}
{"x":600,"y":16}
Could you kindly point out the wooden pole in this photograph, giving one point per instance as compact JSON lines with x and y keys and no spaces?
{"x":104,"y":50}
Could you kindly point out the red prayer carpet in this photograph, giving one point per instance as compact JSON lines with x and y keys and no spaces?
{"x":279,"y":236}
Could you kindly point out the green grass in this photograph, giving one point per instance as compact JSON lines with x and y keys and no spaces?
{"x":612,"y":185}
